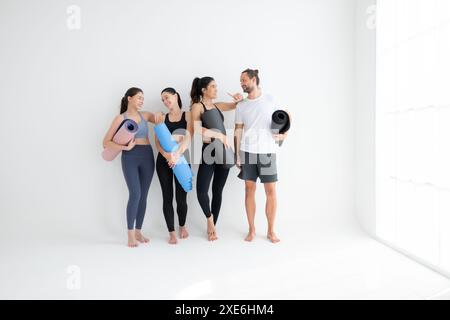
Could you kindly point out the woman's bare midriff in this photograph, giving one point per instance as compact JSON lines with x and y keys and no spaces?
{"x":142,"y":141}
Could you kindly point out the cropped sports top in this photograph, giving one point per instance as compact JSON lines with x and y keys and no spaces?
{"x":142,"y":127}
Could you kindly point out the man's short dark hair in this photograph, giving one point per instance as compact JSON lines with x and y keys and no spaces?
{"x":252,"y":74}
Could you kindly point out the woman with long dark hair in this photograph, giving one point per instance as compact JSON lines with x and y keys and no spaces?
{"x":137,"y":159}
{"x":203,"y":93}
{"x":179,"y":124}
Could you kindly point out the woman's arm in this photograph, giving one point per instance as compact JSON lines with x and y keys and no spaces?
{"x":205,"y":132}
{"x":153,"y":117}
{"x":160,"y":149}
{"x":188,"y":135}
{"x":228,"y":106}
{"x":108,"y":139}
{"x":238,"y":130}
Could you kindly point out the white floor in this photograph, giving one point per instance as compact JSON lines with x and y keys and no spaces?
{"x":311,"y":262}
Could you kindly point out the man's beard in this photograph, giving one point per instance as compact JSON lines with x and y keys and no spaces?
{"x":248,"y":89}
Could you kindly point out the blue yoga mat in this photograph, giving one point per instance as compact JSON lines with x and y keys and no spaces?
{"x":182,"y":170}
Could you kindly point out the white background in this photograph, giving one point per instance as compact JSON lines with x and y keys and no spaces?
{"x":62,"y":208}
{"x":60,"y":89}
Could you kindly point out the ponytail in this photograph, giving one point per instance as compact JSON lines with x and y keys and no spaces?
{"x":197,"y":85}
{"x":130,"y":93}
{"x":123,"y":104}
{"x":196,"y":93}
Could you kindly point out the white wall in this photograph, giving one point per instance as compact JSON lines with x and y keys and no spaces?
{"x":365,"y":115}
{"x":60,"y":89}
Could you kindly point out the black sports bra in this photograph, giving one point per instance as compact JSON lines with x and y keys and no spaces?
{"x":172,"y":126}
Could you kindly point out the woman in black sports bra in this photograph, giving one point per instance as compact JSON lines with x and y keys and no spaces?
{"x":203,"y":91}
{"x":178,"y":123}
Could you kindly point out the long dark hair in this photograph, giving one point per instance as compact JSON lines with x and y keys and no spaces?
{"x":130,"y":93}
{"x":197,"y":85}
{"x":173,"y":91}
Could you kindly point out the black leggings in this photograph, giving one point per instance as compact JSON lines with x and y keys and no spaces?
{"x":204,"y":175}
{"x":166,"y":177}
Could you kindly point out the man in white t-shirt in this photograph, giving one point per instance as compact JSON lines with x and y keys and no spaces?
{"x":256,"y":148}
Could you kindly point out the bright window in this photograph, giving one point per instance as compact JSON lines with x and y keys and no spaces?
{"x":413,"y":128}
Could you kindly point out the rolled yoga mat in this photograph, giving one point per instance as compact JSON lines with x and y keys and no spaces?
{"x":281,"y":123}
{"x":124,"y":134}
{"x":181,"y":170}
{"x":213,"y":120}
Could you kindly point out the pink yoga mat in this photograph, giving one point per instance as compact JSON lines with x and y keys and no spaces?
{"x":124,"y":134}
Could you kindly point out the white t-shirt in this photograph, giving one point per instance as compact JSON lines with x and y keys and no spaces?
{"x":256,"y":116}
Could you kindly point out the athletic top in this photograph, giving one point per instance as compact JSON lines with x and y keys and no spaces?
{"x":256,"y":116}
{"x":212,"y":110}
{"x":142,"y":131}
{"x":172,"y":126}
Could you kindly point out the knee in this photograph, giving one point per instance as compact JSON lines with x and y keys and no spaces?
{"x":271,"y":192}
{"x":201,"y":191}
{"x":250,"y":189}
{"x":134,"y":196}
{"x":181,"y":200}
{"x":167,"y":198}
{"x":201,"y":195}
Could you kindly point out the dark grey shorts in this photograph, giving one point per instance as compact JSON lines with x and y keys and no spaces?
{"x":262,"y":165}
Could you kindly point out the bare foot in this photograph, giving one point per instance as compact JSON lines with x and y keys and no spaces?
{"x":132,"y":243}
{"x":211,"y":229}
{"x":140,"y":237}
{"x":183,"y":232}
{"x":173,"y":238}
{"x":250,"y":236}
{"x":272,"y":237}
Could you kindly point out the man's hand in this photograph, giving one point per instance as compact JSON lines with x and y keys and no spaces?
{"x":279,"y":136}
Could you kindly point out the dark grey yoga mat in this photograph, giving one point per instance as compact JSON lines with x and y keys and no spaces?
{"x":280,"y":123}
{"x":212,"y":120}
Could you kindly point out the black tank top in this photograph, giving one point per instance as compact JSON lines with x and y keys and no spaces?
{"x":172,"y":126}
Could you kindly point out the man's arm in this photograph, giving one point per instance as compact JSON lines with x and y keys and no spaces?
{"x":238,"y":129}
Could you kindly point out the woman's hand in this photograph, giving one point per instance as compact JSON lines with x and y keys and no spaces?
{"x":130,"y":145}
{"x":159,"y":117}
{"x":237,"y":97}
{"x":172,"y":159}
{"x":225,"y":142}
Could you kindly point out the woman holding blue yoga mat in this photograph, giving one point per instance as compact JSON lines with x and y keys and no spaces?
{"x":203,"y":92}
{"x":179,"y":124}
{"x":137,"y":160}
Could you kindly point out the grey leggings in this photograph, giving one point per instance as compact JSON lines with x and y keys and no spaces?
{"x":138,"y":166}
